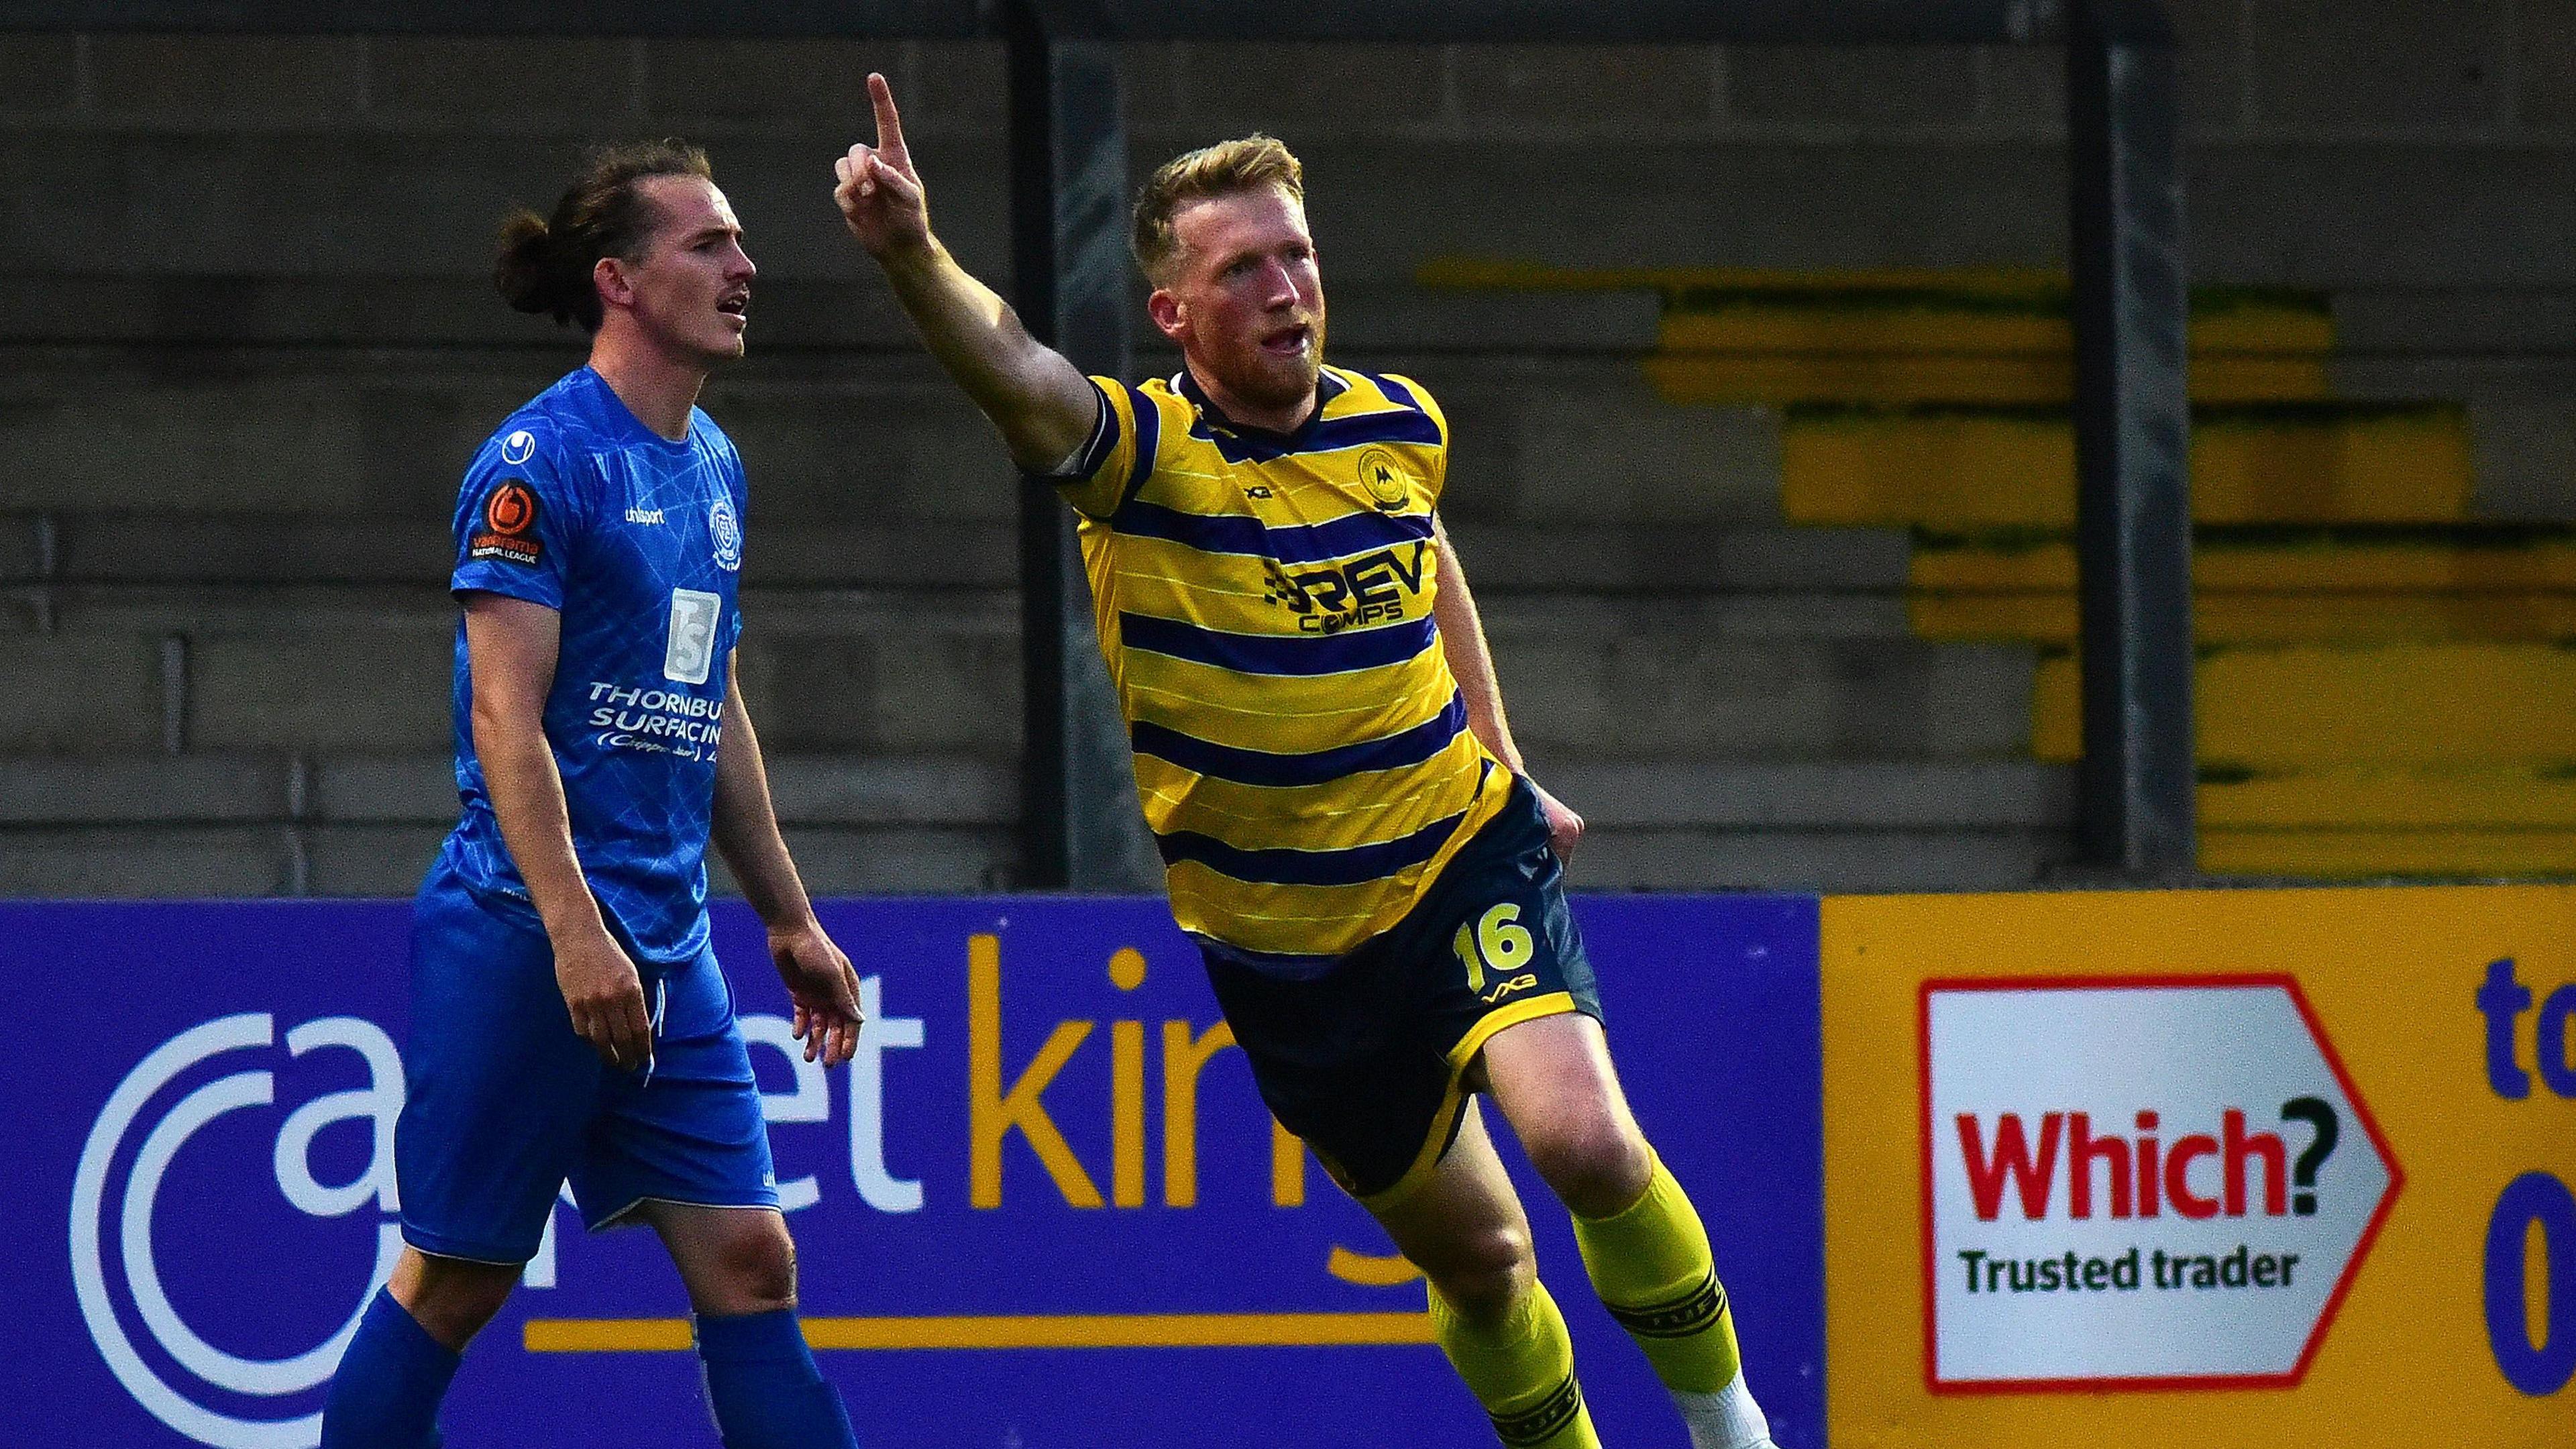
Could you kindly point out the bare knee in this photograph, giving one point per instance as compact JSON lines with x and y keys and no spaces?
{"x":1481,"y":1274}
{"x":451,"y":1298}
{"x":1596,"y":1163}
{"x":750,"y":1267}
{"x":1554,"y":1080}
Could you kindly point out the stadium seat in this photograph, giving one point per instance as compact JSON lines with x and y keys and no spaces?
{"x":2382,"y":689}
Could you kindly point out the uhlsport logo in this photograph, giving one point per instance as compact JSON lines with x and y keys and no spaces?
{"x":144,"y":1142}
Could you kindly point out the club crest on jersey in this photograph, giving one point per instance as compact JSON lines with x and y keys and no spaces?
{"x":727,"y":532}
{"x":509,"y":531}
{"x":518,"y":447}
{"x":1385,"y":478}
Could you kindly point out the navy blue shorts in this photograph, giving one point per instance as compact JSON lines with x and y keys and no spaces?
{"x":1364,"y":1059}
{"x":505,"y":1104}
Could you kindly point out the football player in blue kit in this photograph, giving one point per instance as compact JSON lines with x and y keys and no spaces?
{"x":569,"y":1021}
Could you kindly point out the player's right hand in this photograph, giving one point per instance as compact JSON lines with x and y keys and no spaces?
{"x":606,"y":999}
{"x":880,"y":194}
{"x":1564,"y":827}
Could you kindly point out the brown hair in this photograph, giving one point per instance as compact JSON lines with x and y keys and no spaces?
{"x":1249,"y":163}
{"x":545,"y":263}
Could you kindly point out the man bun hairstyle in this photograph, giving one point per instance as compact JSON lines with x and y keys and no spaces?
{"x":1250,"y":163}
{"x":545,"y":263}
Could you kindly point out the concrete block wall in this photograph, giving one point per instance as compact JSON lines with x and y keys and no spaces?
{"x":244,"y":279}
{"x":2413,"y":157}
{"x":2436,"y":122}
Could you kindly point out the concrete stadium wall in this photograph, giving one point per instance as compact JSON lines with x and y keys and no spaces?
{"x":2416,"y":158}
{"x":2397,"y":143}
{"x":247,"y":337}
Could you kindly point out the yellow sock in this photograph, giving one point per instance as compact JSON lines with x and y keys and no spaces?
{"x":1651,"y":1265}
{"x":1521,"y":1370}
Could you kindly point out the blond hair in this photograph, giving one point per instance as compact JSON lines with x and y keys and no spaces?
{"x":1249,"y":163}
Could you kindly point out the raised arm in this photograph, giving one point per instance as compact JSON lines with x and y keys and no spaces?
{"x":1462,"y":643}
{"x":1042,"y":403}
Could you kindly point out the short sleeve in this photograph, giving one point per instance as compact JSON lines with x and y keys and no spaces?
{"x":740,"y":487}
{"x":516,"y":518}
{"x":1120,"y":454}
{"x":1420,"y":396}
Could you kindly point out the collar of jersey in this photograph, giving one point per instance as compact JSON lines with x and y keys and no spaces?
{"x":618,"y":415}
{"x":1327,"y":388}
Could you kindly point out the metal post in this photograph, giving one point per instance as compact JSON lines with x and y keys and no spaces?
{"x":1080,"y":827}
{"x":2132,"y":441}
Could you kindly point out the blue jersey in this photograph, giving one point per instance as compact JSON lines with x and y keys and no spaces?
{"x":636,"y":540}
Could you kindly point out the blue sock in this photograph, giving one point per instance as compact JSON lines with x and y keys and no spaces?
{"x":765,"y":1388}
{"x":386,"y":1392}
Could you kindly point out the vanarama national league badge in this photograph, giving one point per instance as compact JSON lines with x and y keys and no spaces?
{"x":509,"y":531}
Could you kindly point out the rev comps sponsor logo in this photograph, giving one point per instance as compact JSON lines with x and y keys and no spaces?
{"x":1352,"y":594}
{"x":169,"y":1319}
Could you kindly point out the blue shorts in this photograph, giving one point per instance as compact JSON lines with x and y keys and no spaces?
{"x":505,"y":1104}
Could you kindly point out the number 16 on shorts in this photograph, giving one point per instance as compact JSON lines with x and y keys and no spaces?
{"x":1495,"y":944}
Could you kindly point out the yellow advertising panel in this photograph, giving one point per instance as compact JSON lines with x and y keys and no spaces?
{"x":2219,"y":1168}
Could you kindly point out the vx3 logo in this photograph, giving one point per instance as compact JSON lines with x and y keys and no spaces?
{"x":105,"y":1206}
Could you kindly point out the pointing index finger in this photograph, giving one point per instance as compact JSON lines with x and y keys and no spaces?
{"x":889,"y":121}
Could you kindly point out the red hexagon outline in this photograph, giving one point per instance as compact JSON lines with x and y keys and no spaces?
{"x":2283,"y":980}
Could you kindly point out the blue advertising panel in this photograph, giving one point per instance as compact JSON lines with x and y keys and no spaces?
{"x":1046,"y":1146}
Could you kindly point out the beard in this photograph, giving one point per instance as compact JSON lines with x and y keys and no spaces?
{"x":1265,"y":381}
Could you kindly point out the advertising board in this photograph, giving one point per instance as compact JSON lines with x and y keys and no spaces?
{"x":2117,"y":1217}
{"x":1043,"y":1207}
{"x":2221,"y":1167}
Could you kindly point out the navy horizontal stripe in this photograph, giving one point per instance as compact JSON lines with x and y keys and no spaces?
{"x":1356,"y":865}
{"x":1396,"y":425}
{"x":1261,"y":767}
{"x":1292,"y":654}
{"x":1295,"y":544}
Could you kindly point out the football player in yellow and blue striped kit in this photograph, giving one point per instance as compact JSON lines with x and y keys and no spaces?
{"x":1322,"y":753}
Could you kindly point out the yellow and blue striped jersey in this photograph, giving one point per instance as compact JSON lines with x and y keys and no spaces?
{"x":1265,"y":606}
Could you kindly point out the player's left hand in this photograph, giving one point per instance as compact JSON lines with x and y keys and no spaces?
{"x":825,"y":989}
{"x":1564,"y":827}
